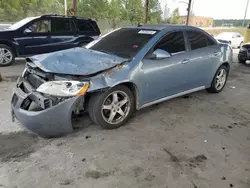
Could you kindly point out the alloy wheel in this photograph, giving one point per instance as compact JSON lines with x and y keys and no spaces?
{"x":221,"y":78}
{"x":5,"y":56}
{"x":116,"y":107}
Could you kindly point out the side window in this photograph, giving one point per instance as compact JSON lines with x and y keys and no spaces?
{"x":41,"y":26}
{"x":61,"y":25}
{"x":210,"y":42}
{"x":172,"y":43}
{"x":85,"y":26}
{"x":196,"y":39}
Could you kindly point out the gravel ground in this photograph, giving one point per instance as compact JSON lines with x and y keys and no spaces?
{"x":199,"y":141}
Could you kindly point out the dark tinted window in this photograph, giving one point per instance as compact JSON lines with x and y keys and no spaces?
{"x":125,"y":42}
{"x":172,"y":43}
{"x":84,"y":25}
{"x":197,"y":39}
{"x":210,"y":42}
{"x":61,"y":25}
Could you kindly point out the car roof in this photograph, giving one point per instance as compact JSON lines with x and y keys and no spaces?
{"x":63,"y":16}
{"x":163,"y":27}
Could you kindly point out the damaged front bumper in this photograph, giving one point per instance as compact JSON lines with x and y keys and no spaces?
{"x":50,"y":120}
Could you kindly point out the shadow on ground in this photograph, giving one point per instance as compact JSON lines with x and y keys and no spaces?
{"x":16,"y":146}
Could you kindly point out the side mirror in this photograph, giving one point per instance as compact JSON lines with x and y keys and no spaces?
{"x":27,"y":30}
{"x":160,"y":54}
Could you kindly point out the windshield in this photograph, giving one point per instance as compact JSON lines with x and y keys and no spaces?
{"x":21,"y":23}
{"x":124,"y":42}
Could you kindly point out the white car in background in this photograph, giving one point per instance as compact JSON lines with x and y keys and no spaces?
{"x":233,"y":38}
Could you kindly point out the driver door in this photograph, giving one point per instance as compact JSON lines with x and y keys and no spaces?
{"x":163,"y":77}
{"x":35,"y":38}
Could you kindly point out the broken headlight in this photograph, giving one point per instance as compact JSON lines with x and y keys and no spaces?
{"x":64,"y":88}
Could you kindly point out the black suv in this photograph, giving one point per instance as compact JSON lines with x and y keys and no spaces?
{"x":44,"y":34}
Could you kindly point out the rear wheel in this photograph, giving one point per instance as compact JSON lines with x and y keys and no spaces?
{"x":219,"y":80}
{"x":7,"y":56}
{"x":112,"y":108}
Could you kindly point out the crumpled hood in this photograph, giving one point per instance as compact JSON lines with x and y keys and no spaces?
{"x":76,"y":61}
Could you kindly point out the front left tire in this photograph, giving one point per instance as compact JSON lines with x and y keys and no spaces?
{"x":7,"y":55}
{"x":112,"y":108}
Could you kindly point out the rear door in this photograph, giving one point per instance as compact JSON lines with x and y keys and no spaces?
{"x":63,"y":34}
{"x":203,"y":58}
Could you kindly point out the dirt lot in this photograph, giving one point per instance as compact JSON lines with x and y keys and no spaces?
{"x":198,"y":141}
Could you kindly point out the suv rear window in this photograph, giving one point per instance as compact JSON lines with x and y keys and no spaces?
{"x":85,"y":26}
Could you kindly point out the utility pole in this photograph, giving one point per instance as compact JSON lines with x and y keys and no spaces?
{"x":65,"y":7}
{"x":188,"y":11}
{"x":245,"y":14}
{"x":146,"y":12}
{"x":75,"y":7}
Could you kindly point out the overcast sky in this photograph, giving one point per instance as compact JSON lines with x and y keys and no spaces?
{"x":228,"y":9}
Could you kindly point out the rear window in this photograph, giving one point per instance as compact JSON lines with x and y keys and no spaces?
{"x":197,"y":40}
{"x":124,"y":42}
{"x":210,"y":42}
{"x":85,"y":26}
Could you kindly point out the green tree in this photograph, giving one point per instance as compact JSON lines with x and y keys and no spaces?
{"x":175,"y":17}
{"x":154,"y":13}
{"x":14,"y":10}
{"x":133,"y":11}
{"x":96,"y":9}
{"x":116,"y":10}
{"x":9,"y":10}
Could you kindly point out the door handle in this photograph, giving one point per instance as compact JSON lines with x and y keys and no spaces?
{"x":216,"y":53}
{"x":185,"y":61}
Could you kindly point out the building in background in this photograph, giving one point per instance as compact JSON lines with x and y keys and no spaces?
{"x":198,"y":21}
{"x":168,"y":7}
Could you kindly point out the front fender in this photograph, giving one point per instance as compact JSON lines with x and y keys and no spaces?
{"x":11,"y":43}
